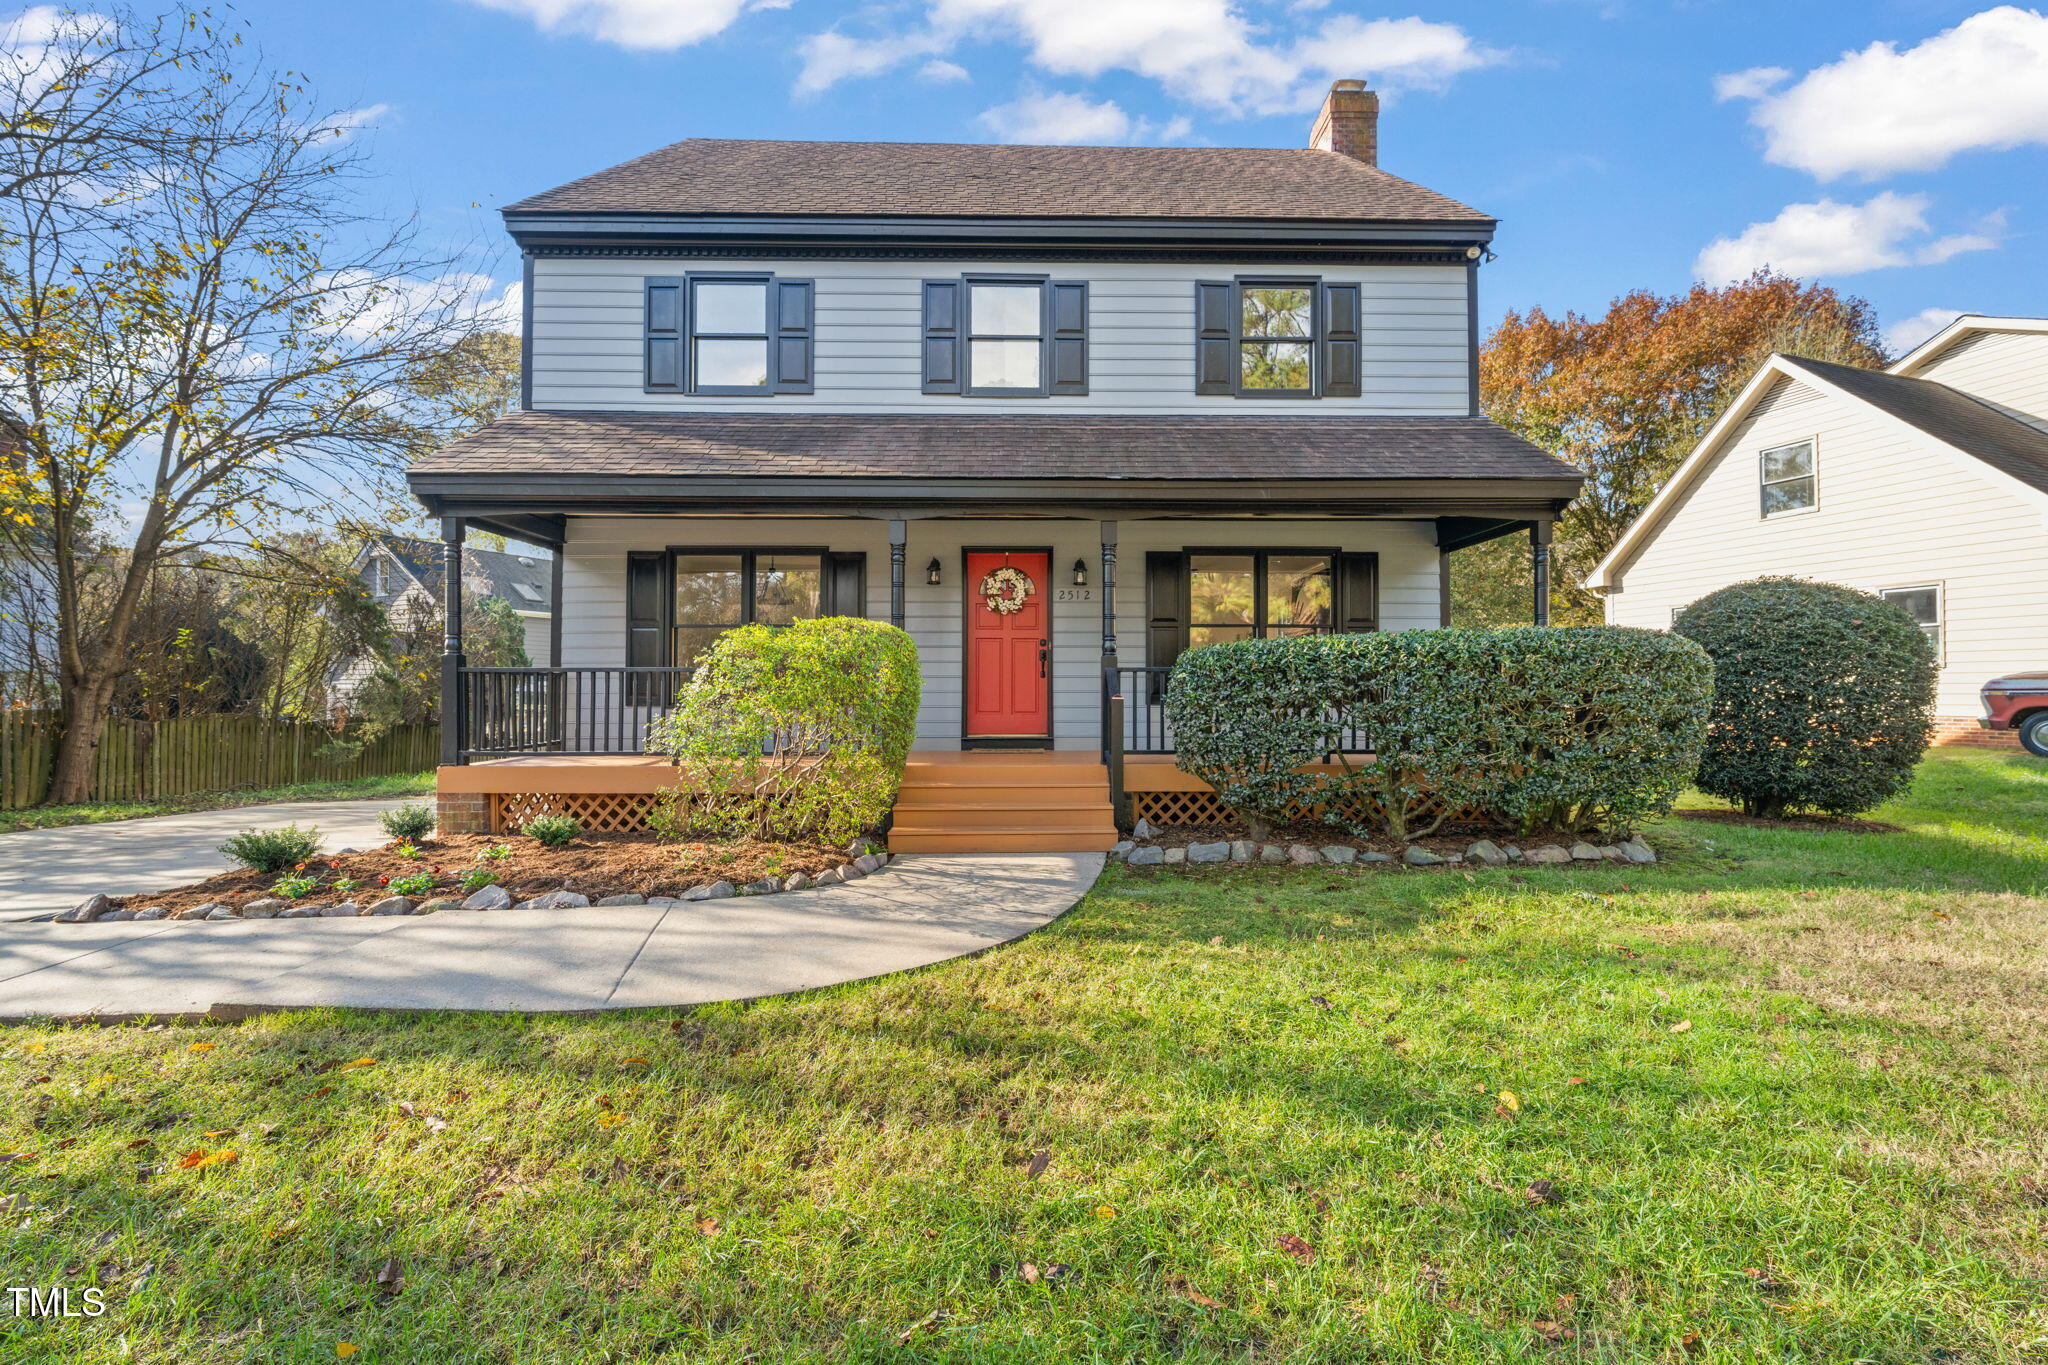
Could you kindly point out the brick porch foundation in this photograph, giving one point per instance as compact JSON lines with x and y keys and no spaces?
{"x":463,"y":812}
{"x":1964,"y":730}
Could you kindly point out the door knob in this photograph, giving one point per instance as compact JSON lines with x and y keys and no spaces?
{"x":1043,"y":655}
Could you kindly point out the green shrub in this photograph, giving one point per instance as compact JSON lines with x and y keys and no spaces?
{"x":795,"y":732}
{"x":1823,"y":696}
{"x":412,"y":821}
{"x":273,"y":850}
{"x":1570,"y":730}
{"x":552,"y":830}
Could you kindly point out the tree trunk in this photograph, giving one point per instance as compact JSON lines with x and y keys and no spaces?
{"x":85,"y":725}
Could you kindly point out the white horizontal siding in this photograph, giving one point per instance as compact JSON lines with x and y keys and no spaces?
{"x":2006,"y":369}
{"x":1892,"y":511}
{"x":587,"y":336}
{"x":594,"y":562}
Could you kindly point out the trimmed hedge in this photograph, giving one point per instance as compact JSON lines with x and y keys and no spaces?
{"x":1823,"y":696}
{"x":1570,"y":730}
{"x":792,"y":732}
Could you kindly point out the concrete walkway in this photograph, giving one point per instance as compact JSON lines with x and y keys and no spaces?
{"x":46,"y":870}
{"x":922,"y":909}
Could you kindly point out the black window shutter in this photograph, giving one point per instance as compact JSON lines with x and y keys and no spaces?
{"x":1341,"y":327}
{"x":664,"y":339}
{"x":1215,"y":338}
{"x":646,"y":614}
{"x":942,"y":336}
{"x":1067,"y":338}
{"x":1165,"y":606}
{"x":794,"y":350}
{"x":1358,"y":593}
{"x":846,"y":583}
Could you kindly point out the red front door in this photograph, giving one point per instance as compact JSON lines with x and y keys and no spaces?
{"x":1009,"y":646}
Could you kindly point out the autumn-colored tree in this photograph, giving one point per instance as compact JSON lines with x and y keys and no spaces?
{"x":198,"y":322}
{"x":1624,"y":396}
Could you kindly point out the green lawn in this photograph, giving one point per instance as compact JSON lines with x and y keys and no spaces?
{"x":1788,"y":1089}
{"x":50,"y":817}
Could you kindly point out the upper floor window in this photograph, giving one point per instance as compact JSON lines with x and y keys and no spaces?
{"x":1277,"y":338}
{"x":378,"y":575}
{"x":1786,"y":478}
{"x":1005,"y":336}
{"x":728,"y":334}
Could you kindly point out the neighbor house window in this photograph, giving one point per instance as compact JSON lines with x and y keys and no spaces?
{"x":1278,"y":338}
{"x":728,"y":334}
{"x":1924,"y":606}
{"x":1259,"y":594}
{"x":380,"y":582}
{"x":1786,"y":474}
{"x":715,"y":592}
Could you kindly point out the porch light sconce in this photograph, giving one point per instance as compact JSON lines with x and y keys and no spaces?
{"x":1080,"y":573}
{"x":931,"y":572}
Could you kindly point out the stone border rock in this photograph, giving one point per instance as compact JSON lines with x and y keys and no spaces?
{"x":1138,"y":851}
{"x":865,"y":859}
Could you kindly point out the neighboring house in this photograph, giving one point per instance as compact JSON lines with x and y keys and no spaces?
{"x":404,"y":575}
{"x":1183,"y":394}
{"x":1926,"y":483}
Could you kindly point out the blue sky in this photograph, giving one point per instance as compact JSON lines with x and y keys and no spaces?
{"x":1894,"y":148}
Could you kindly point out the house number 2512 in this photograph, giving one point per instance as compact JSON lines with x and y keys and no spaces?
{"x":1073,"y":595}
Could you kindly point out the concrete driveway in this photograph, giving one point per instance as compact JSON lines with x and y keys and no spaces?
{"x":46,"y":870}
{"x":922,"y":908}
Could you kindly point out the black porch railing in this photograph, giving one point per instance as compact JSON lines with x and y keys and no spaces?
{"x":1146,"y":728}
{"x":512,"y":711}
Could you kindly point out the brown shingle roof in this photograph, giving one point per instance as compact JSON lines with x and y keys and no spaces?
{"x":1948,"y":415}
{"x":946,"y":446}
{"x":720,"y":176}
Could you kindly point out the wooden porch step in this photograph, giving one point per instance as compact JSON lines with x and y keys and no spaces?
{"x":1005,"y":801}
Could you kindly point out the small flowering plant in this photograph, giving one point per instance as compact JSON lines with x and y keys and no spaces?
{"x":496,"y":853}
{"x":417,"y":884}
{"x":295,"y":886}
{"x":409,"y":851}
{"x":477,"y":878}
{"x":346,"y":884}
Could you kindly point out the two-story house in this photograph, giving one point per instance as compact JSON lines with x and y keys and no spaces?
{"x":1164,"y":395}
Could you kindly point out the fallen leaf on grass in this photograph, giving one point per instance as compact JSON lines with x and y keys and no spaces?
{"x":345,"y":1349}
{"x":391,"y":1277}
{"x":931,"y":1319}
{"x":1194,"y":1295}
{"x":1575,"y":1080}
{"x":1104,"y":1211}
{"x":1509,"y":1102}
{"x":1543,"y":1192}
{"x":708,"y":1226}
{"x":635,"y":1061}
{"x":1553,"y":1331}
{"x":200,"y":1159}
{"x":1682,"y":1026}
{"x":1942,"y":914}
{"x":133,"y":1143}
{"x":1431,"y":1282}
{"x":202,"y":1047}
{"x":1035,"y":1167}
{"x":1295,"y":1247}
{"x":358,"y":1062}
{"x":610,"y":1119}
{"x":1028,"y":1273}
{"x":1319,"y":1002}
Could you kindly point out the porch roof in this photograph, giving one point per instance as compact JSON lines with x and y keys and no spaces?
{"x":948,"y":448}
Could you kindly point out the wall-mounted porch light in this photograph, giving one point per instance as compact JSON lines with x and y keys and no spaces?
{"x":931,"y":572}
{"x":1080,"y":573}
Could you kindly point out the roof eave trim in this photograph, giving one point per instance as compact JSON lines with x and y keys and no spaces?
{"x":541,"y":228}
{"x":1909,"y":364}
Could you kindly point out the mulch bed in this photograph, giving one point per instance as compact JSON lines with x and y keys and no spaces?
{"x":596,"y":865}
{"x":1451,"y":838}
{"x":1808,"y":824}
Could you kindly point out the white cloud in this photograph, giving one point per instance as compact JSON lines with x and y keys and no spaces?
{"x":1827,"y":238}
{"x":660,"y":25}
{"x":1981,"y":84}
{"x":1199,"y":51}
{"x":346,"y":124}
{"x":1903,"y":335}
{"x":832,"y":57}
{"x":939,"y":70}
{"x":359,"y":308}
{"x":1059,"y":117}
{"x":1752,"y":84}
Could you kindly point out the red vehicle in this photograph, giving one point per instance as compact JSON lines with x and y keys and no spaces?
{"x":2019,"y":701}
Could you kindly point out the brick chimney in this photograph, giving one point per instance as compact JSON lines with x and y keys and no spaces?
{"x":1349,"y":123}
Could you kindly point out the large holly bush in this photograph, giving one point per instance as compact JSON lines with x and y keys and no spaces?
{"x":792,"y":732}
{"x":1823,"y":696}
{"x":1569,"y":730}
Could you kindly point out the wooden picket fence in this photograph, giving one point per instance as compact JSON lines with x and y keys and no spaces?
{"x":141,"y":761}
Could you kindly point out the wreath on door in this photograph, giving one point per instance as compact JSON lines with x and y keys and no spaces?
{"x":1005,"y":589}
